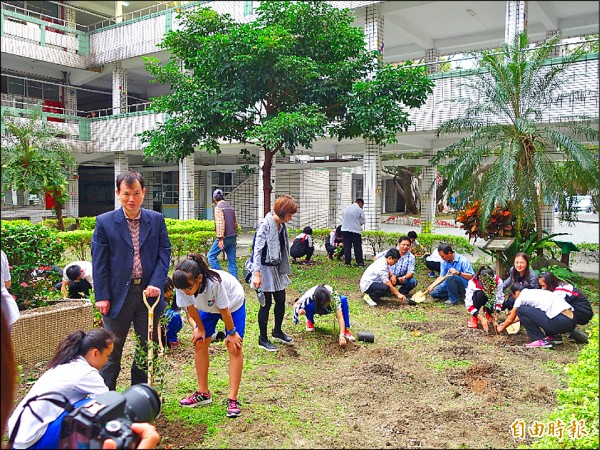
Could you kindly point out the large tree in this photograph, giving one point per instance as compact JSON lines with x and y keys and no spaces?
{"x":298,"y":72}
{"x":36,"y":159}
{"x":506,"y":156}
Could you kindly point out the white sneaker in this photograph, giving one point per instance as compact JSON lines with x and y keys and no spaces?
{"x":368,"y":300}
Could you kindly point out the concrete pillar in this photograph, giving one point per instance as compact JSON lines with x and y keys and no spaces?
{"x":69,"y":14}
{"x":13,"y":196}
{"x":432,"y":58}
{"x":118,"y":11}
{"x":516,"y":19}
{"x":261,"y":199}
{"x":429,"y":173}
{"x":372,"y":187}
{"x":186,"y":188}
{"x":428,"y":188}
{"x":70,"y":97}
{"x":335,"y":197}
{"x":555,"y":52}
{"x":548,"y":218}
{"x":121,"y":165}
{"x":119,"y":88}
{"x":72,"y":206}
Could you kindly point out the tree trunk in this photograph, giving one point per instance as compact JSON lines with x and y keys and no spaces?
{"x":440,"y":190}
{"x":538,"y":224}
{"x":59,"y":216}
{"x":403,"y":184}
{"x":267,"y":188}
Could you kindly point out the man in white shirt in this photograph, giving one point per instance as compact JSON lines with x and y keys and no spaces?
{"x":375,"y":281}
{"x":352,"y":222}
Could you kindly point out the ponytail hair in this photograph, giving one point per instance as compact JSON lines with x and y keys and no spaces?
{"x":187,"y":272}
{"x":79,"y":343}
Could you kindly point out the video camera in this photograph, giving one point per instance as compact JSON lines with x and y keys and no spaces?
{"x":109,"y":416}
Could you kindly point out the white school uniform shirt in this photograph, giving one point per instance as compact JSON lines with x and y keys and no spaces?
{"x":75,"y":380}
{"x":229,"y":293}
{"x":377,"y":272}
{"x":86,"y":266}
{"x":9,"y":306}
{"x":544,"y":300}
{"x":5,"y":267}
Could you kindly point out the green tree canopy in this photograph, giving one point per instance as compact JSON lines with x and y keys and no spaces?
{"x":504,"y":123}
{"x":35,"y":159}
{"x":299,"y":72}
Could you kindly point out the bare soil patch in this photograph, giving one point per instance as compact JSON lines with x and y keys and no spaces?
{"x":430,"y":383}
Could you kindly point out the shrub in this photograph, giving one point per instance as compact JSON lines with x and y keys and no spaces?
{"x":87,"y":223}
{"x":191,"y":242}
{"x":579,"y":400}
{"x":31,"y":251}
{"x":78,"y":242}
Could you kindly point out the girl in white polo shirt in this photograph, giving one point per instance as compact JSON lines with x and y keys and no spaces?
{"x":73,"y":373}
{"x":209,"y":295}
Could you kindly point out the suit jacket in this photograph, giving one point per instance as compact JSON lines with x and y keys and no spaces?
{"x":112,"y":256}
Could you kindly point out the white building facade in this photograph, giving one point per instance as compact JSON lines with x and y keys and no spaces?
{"x":81,"y":60}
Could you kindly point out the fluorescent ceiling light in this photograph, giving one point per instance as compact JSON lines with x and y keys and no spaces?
{"x":125,"y":3}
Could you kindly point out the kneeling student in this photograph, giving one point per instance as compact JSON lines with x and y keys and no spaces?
{"x":322,"y":299}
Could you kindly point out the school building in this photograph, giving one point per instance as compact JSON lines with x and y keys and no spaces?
{"x":82,"y":61}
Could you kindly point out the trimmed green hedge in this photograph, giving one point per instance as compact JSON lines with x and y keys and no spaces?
{"x":378,"y":241}
{"x":78,"y":242}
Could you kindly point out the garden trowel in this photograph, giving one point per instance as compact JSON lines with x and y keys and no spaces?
{"x":420,"y":296}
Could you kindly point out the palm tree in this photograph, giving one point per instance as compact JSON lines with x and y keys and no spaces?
{"x":505,"y":158}
{"x":34,"y":159}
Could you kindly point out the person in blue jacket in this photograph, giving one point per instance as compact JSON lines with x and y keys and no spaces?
{"x":131,"y":254}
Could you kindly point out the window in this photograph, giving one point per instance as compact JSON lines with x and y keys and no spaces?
{"x":51,"y":92}
{"x":16,"y":86}
{"x":34,"y":89}
{"x":357,"y":186}
{"x":223,"y":181}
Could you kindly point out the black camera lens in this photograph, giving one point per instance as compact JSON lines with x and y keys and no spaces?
{"x":142,"y":403}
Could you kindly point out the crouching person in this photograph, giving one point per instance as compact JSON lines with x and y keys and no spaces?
{"x":321,"y":300}
{"x":542,"y":313}
{"x":375,"y":281}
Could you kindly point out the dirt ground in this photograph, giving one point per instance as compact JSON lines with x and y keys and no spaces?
{"x":426,"y":382}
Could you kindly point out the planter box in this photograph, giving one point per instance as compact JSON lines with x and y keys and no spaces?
{"x":37,"y":333}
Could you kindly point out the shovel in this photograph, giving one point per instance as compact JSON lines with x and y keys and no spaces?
{"x":420,"y":296}
{"x":150,"y":345}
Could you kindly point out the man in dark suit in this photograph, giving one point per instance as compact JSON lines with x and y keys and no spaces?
{"x":130,"y":254}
